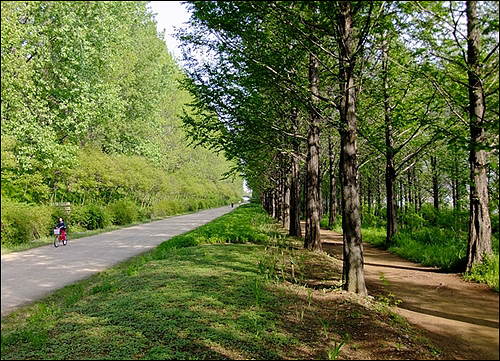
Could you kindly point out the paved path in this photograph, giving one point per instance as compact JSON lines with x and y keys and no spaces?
{"x":463,"y":317}
{"x":31,"y":274}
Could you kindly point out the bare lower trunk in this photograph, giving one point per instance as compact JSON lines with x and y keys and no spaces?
{"x":390,"y":172}
{"x":286,"y":202}
{"x":480,"y":222}
{"x":332,"y":219}
{"x":353,"y":276}
{"x":295,"y":228}
{"x":353,"y":268}
{"x":435,"y":182}
{"x":312,"y":238}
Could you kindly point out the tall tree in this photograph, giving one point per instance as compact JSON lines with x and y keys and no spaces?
{"x":479,"y":223}
{"x":467,"y":53}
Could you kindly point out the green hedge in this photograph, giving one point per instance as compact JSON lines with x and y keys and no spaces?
{"x":22,"y":222}
{"x":124,"y":212}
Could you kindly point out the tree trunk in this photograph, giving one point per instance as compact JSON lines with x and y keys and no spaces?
{"x":312,"y":238}
{"x":286,"y":200}
{"x":456,"y":186}
{"x":295,"y":228}
{"x":353,"y":276}
{"x":332,"y":219}
{"x":390,"y":171}
{"x":379,"y":197}
{"x":435,"y":182}
{"x":479,"y":216}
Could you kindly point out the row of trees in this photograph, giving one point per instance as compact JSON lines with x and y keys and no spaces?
{"x":91,"y":106}
{"x":342,"y":87}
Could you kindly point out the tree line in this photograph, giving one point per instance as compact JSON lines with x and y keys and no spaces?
{"x":90,"y":112}
{"x":351,"y":108}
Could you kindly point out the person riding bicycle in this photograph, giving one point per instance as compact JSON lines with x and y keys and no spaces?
{"x":62,"y":226}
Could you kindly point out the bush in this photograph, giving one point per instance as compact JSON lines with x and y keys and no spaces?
{"x":90,"y":216}
{"x":22,"y":223}
{"x":432,"y":246}
{"x":486,"y":272}
{"x":166,"y":208}
{"x":124,"y":212}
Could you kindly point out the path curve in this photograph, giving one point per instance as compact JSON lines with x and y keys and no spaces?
{"x":461,"y":317}
{"x":31,"y":274}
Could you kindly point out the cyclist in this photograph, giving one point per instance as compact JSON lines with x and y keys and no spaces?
{"x":62,"y":226}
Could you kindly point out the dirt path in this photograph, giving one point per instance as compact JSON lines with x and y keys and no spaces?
{"x":461,"y":317}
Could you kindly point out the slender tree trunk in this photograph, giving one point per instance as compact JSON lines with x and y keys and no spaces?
{"x":410,"y":188}
{"x":456,"y":186}
{"x":479,"y":216}
{"x":369,"y":199}
{"x":286,"y":200}
{"x":379,"y":197}
{"x":415,"y":189}
{"x":312,"y":238}
{"x":332,"y":219}
{"x":435,"y":182}
{"x":390,"y":171}
{"x":295,"y":228}
{"x":353,"y":276}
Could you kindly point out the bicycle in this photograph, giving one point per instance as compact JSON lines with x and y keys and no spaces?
{"x":57,"y":238}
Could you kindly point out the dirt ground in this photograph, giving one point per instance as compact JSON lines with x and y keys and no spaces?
{"x":459,"y":316}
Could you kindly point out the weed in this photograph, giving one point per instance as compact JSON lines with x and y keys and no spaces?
{"x":257,"y":292}
{"x":334,"y":351}
{"x":309,"y":297}
{"x":325,"y":325}
{"x":383,"y":279}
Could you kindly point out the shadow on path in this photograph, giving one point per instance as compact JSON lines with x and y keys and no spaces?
{"x":464,"y":315}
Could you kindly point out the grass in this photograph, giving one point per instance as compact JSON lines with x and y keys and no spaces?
{"x":212,"y":301}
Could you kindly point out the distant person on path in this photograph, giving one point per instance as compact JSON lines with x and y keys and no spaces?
{"x":232,"y":204}
{"x":62,"y":226}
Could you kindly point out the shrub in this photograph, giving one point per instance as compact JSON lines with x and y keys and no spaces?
{"x":21,"y":222}
{"x":124,"y":212}
{"x":90,"y":216}
{"x":486,"y":272}
{"x":432,"y":246}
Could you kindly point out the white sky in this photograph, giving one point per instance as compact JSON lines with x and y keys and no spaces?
{"x":170,"y":14}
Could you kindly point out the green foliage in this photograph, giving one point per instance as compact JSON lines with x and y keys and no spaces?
{"x":246,"y":223}
{"x":23,"y":222}
{"x":486,"y":272}
{"x":432,"y":246}
{"x":91,"y":115}
{"x":124,"y":212}
{"x":90,"y":216}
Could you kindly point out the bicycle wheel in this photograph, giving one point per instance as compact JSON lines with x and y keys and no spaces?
{"x":57,"y":240}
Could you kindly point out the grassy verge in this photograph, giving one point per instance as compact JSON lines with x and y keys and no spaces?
{"x":191,"y":300}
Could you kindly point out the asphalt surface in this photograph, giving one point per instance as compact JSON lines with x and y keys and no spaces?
{"x":29,"y":275}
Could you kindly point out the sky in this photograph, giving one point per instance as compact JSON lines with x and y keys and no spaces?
{"x":170,"y":14}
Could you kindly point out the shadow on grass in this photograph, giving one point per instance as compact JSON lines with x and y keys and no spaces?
{"x":198,"y":303}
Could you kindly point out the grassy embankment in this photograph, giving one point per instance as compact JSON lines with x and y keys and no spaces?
{"x":223,"y":291}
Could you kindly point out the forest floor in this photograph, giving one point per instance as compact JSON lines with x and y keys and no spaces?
{"x":461,"y":317}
